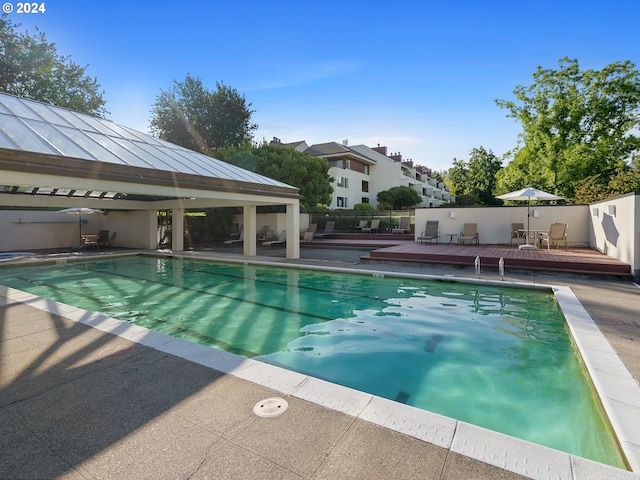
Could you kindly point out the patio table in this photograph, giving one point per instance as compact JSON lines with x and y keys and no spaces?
{"x":533,"y":235}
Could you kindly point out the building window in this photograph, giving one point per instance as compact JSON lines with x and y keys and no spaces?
{"x":365,"y":186}
{"x":342,"y":202}
{"x":342,"y":182}
{"x":365,"y":199}
{"x":347,"y":164}
{"x":366,"y":170}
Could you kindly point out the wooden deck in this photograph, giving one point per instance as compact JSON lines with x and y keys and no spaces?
{"x":402,"y":248}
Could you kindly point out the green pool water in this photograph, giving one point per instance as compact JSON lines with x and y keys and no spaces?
{"x":499,"y":358}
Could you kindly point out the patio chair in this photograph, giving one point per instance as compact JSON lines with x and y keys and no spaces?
{"x":375,"y":225}
{"x":430,"y":233}
{"x":517,"y":233}
{"x":403,"y":225}
{"x":328,"y":230}
{"x":469,"y":234}
{"x":307,"y":237}
{"x":362,"y":224}
{"x":233,"y":241}
{"x":282,"y":240}
{"x":557,"y":233}
{"x":89,"y":241}
{"x":112,"y":240}
{"x":103,"y":238}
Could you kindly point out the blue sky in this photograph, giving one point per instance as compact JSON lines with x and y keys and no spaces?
{"x":420,"y":77}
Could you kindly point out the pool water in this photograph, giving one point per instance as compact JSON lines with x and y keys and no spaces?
{"x":495,"y":357}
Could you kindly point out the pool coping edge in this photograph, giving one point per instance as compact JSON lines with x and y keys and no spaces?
{"x":503,"y":451}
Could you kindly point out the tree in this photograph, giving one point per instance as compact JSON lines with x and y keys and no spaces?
{"x":30,"y":67}
{"x":575,"y":124}
{"x":285,"y":164}
{"x":593,"y":188}
{"x":475,"y":178}
{"x":399,"y":198}
{"x":205,"y":121}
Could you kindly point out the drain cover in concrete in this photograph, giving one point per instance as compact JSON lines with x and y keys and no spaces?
{"x":270,"y":407}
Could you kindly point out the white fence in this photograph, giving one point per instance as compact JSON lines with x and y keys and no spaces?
{"x":612,"y":226}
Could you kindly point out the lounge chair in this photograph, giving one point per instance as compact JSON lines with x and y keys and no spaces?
{"x":469,"y":234}
{"x":517,"y":233}
{"x":267,"y":236}
{"x":313,"y":227}
{"x":328,"y":230}
{"x":307,"y":237}
{"x":233,"y":241}
{"x":403,"y":226}
{"x":375,"y":225}
{"x":430,"y":233}
{"x":282,"y":240}
{"x":262,"y":233}
{"x":557,"y":233}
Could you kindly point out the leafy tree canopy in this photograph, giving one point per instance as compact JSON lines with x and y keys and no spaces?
{"x":399,"y":198}
{"x":285,"y":164}
{"x":190,"y":115}
{"x":594,"y":188}
{"x":30,"y":67}
{"x":475,"y":179}
{"x":576,"y":123}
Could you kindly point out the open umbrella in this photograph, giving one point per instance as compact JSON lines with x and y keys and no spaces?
{"x":80,"y":211}
{"x":528,"y":194}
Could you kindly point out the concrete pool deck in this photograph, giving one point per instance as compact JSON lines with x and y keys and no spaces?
{"x":79,"y":402}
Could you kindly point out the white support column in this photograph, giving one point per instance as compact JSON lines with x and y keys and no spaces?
{"x":293,"y":230}
{"x":151,"y":242}
{"x":177,"y":229}
{"x":249,"y":228}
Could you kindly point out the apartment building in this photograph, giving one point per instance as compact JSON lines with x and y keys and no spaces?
{"x":361,"y":172}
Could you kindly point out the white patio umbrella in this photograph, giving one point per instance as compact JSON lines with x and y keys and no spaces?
{"x":528,"y":194}
{"x":80,"y":211}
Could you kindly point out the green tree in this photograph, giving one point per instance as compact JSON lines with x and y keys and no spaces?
{"x":190,"y":115}
{"x":576,"y":123}
{"x":593,"y":188}
{"x":475,"y":178}
{"x":30,"y":67}
{"x":399,"y":198}
{"x":285,"y":164}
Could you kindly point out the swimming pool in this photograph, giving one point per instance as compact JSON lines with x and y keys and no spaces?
{"x":495,"y":357}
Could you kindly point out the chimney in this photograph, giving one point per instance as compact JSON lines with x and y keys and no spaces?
{"x":396,"y":157}
{"x":379,"y":149}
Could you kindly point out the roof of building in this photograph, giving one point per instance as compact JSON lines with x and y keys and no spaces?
{"x":330,"y":148}
{"x":48,"y":139}
{"x":334,"y":149}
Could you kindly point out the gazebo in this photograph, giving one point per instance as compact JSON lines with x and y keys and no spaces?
{"x":57,"y":158}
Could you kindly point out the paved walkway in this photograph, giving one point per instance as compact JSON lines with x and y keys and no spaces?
{"x":76,"y":402}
